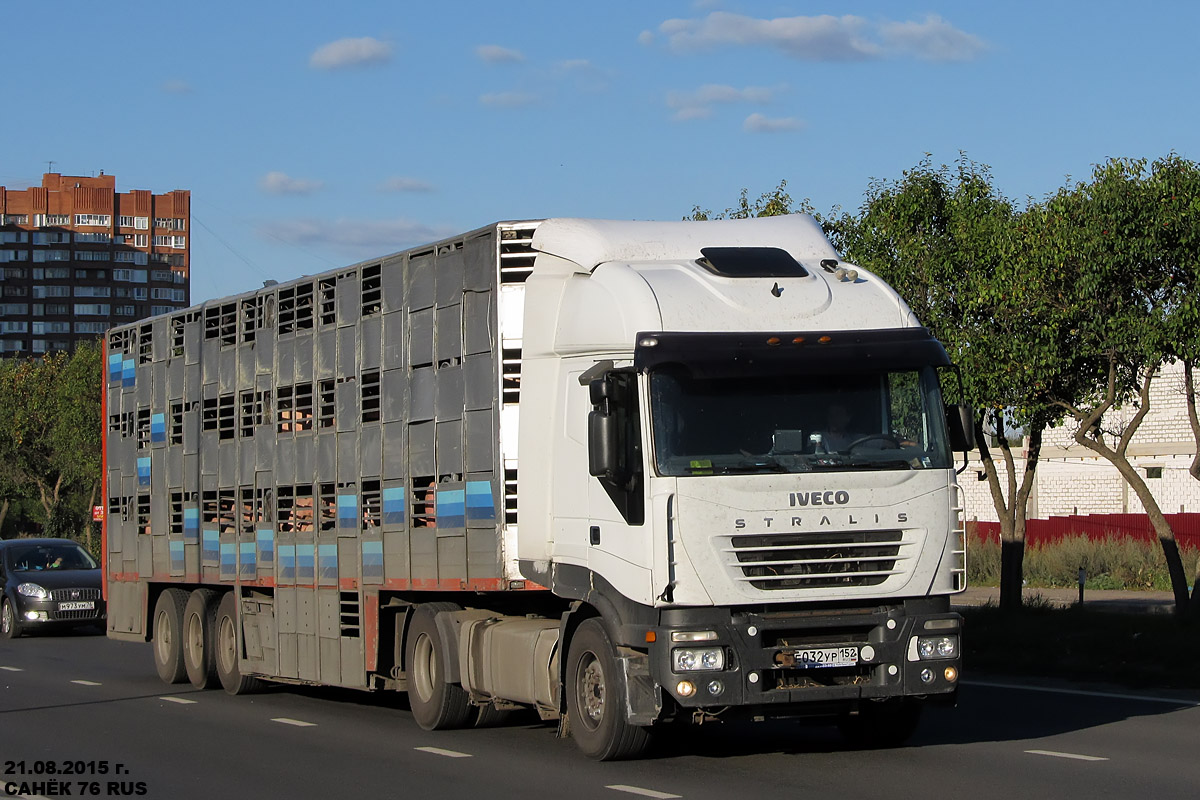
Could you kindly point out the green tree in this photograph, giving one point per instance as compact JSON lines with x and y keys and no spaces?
{"x":957,"y":250}
{"x":773,"y":203}
{"x":50,"y":430}
{"x":1122,"y":307}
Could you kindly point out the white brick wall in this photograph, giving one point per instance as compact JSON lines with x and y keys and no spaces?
{"x":1072,"y":480}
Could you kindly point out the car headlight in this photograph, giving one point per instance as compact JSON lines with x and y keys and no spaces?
{"x":33,"y":590}
{"x":929,"y":647}
{"x":695,"y":659}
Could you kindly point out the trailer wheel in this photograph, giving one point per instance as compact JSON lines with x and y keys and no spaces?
{"x":596,"y":701}
{"x":168,"y":636}
{"x":10,"y":626}
{"x":436,"y":704}
{"x":884,"y":724}
{"x":199,"y":652}
{"x":228,"y":648}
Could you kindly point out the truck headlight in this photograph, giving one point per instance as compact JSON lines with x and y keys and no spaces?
{"x":33,"y":590}
{"x":937,"y":647}
{"x":697,"y":659}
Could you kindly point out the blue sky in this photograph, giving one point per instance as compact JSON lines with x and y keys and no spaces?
{"x":314,"y":135}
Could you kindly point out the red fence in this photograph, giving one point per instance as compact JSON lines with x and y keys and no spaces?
{"x":1095,"y":526}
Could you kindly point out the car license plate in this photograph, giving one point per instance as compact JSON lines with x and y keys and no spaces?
{"x":816,"y":657}
{"x":85,"y":605}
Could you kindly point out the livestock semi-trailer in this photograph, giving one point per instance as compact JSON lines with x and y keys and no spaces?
{"x":617,"y":472}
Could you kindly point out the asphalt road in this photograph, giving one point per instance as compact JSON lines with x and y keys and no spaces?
{"x":95,"y":708}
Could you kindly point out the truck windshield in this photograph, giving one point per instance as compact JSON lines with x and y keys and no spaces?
{"x":716,"y":424}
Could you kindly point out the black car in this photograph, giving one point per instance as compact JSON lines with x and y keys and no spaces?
{"x":48,"y":583}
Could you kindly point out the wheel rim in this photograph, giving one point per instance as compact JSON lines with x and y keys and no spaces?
{"x":163,"y":637}
{"x":590,"y":690}
{"x":424,"y":667}
{"x":227,"y":645}
{"x":6,"y":619}
{"x":193,"y":639}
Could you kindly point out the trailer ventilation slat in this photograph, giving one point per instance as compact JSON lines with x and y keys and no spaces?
{"x":349,"y":614}
{"x":516,"y":253}
{"x":776,"y":562}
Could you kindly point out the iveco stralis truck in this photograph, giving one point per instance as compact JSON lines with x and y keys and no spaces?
{"x":617,"y":472}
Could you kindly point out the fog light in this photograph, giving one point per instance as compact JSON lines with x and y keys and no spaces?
{"x":927,"y":675}
{"x":715,"y":688}
{"x":685,"y":688}
{"x":867,"y":653}
{"x":36,"y":616}
{"x":951,"y":674}
{"x":693,"y":636}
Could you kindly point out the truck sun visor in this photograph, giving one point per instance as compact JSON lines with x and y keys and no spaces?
{"x":751,"y":262}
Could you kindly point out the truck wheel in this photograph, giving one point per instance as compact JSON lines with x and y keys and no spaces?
{"x":436,"y":704}
{"x":595,"y":698}
{"x":199,"y":654}
{"x":10,"y":626}
{"x":884,"y":724}
{"x":168,"y":636}
{"x":228,"y":648}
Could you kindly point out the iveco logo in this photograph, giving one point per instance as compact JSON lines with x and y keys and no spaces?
{"x":838,"y":498}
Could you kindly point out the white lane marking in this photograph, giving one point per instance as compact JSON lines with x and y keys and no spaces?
{"x":1075,"y":756}
{"x":12,"y":669}
{"x":297,"y":722}
{"x":640,"y":791}
{"x":87,"y":683}
{"x":180,"y":700}
{"x":437,"y":751}
{"x":1084,"y":693}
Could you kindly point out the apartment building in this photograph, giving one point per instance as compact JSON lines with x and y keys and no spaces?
{"x":77,"y":257}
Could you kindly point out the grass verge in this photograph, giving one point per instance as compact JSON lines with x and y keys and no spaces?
{"x":1135,"y":650}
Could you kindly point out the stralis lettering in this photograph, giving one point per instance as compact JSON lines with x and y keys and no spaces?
{"x":839,"y":498}
{"x":853,"y":518}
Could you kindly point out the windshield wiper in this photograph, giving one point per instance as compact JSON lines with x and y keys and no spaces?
{"x":758,"y":465}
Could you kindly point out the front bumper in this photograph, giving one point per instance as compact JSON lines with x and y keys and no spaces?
{"x":760,"y":672}
{"x":33,"y":613}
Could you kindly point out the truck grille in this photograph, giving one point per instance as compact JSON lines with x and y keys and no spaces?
{"x":774,"y":562}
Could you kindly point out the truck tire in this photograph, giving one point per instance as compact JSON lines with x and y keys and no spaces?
{"x":228,"y":649}
{"x":436,"y":704}
{"x":879,"y":725}
{"x":167,"y":636}
{"x":10,"y":626}
{"x":199,"y":651}
{"x":595,"y":698}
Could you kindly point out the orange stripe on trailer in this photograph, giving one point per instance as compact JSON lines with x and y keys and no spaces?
{"x":371,"y":627}
{"x":104,"y":465}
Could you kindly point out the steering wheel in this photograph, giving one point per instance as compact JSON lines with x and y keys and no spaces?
{"x":875,"y":437}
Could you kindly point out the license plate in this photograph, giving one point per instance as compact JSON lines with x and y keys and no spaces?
{"x":84,"y":605}
{"x":826,"y":657}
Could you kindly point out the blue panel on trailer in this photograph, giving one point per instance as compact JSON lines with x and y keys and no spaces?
{"x":393,"y":506}
{"x":287,"y":563}
{"x":246,"y":561}
{"x":176,"y":546}
{"x":265,"y":539}
{"x":479,"y":502}
{"x":306,"y":562}
{"x":158,"y":428}
{"x":372,"y":560}
{"x":128,"y":372}
{"x":347,"y":511}
{"x":228,"y":561}
{"x":191,"y":525}
{"x":450,"y":512}
{"x":143,"y":471}
{"x":210,"y":552}
{"x":115,"y":367}
{"x":328,"y":563}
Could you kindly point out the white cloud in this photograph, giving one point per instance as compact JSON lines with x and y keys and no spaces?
{"x":282,"y":183}
{"x":495,"y":54}
{"x":646,"y":38}
{"x":932,"y":40}
{"x":759,"y":123}
{"x":508,"y":99}
{"x":176,"y":86}
{"x":364,"y":238}
{"x":698,"y":104}
{"x":399,"y":184}
{"x":825,"y":37}
{"x":350,"y":53}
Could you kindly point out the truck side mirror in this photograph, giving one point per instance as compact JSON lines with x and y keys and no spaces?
{"x":960,"y":424}
{"x":604,"y":458}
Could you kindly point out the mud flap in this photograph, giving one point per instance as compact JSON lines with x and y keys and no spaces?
{"x":643,"y":696}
